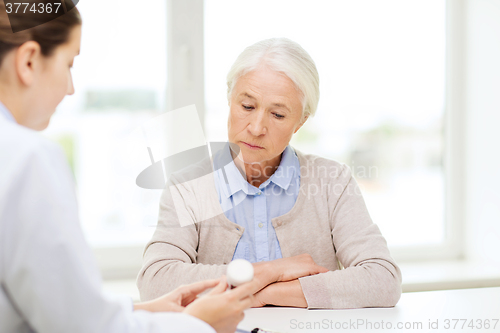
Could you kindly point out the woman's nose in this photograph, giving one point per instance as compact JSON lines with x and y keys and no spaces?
{"x":258,"y":124}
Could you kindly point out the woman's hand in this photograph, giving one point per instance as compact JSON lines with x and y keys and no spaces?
{"x":287,"y":293}
{"x":298,"y":266}
{"x":260,"y":299}
{"x":285,"y":269}
{"x":223,"y":310}
{"x":177,"y":300}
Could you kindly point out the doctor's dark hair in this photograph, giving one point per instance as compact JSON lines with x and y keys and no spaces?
{"x":48,"y":35}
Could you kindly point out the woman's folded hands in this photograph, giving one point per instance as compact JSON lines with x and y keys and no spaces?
{"x":275,"y":282}
{"x":278,"y":280}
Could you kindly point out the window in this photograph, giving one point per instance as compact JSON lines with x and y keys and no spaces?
{"x":120,"y":82}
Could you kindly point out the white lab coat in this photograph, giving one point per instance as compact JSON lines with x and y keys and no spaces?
{"x":49,"y":281}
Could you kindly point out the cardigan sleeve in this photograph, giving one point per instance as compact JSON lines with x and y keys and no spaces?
{"x":370,"y":277}
{"x":170,"y":256}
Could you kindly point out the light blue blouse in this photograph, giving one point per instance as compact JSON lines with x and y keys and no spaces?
{"x":253,"y":208}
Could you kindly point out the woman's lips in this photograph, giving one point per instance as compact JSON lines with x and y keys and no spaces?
{"x":252,"y":146}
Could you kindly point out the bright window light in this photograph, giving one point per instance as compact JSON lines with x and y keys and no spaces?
{"x":120,"y":82}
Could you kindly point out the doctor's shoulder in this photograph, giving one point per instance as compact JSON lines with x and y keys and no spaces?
{"x":22,"y":148}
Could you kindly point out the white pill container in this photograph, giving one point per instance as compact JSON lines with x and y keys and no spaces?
{"x":239,"y":271}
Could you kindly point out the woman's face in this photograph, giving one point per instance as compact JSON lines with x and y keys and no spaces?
{"x":54,"y":81}
{"x":265,"y":111}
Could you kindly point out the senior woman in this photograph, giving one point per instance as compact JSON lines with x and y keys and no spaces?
{"x":300,"y":219}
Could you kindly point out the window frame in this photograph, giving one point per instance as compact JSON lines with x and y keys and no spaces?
{"x":453,"y":155}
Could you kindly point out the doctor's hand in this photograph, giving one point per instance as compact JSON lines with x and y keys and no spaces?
{"x":178,"y":299}
{"x":223,"y":310}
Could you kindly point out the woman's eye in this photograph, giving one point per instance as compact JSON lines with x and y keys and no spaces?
{"x":246,"y":107}
{"x":279,"y":116}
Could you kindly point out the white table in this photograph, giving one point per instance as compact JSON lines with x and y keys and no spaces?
{"x":432,"y":311}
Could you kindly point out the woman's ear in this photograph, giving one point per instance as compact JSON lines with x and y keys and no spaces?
{"x":302,"y":122}
{"x":27,"y":61}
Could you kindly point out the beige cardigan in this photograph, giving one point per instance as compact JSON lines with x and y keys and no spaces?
{"x":194,"y":240}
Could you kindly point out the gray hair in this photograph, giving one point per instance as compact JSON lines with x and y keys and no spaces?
{"x":284,"y":56}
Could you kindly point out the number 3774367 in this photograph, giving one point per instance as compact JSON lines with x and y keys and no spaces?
{"x":32,"y":8}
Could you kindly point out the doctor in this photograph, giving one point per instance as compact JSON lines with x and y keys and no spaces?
{"x":48,"y":279}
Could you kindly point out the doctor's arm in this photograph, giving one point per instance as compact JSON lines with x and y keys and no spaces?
{"x":50,"y":273}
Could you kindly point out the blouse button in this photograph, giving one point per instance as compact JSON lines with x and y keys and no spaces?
{"x":260,"y":225}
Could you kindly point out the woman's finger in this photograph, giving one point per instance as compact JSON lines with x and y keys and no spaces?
{"x":246,"y":289}
{"x":242,"y":316}
{"x":199,"y":287}
{"x":220,"y":288}
{"x":323,"y":269}
{"x":175,"y":308}
{"x":247,"y":302}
